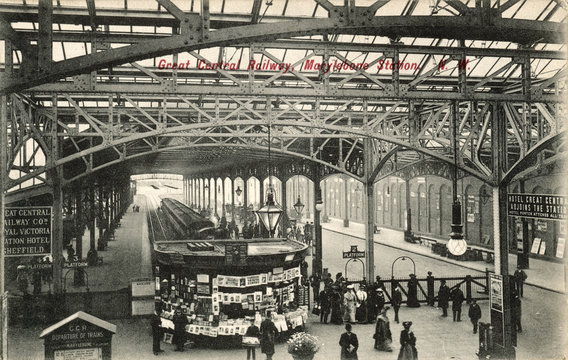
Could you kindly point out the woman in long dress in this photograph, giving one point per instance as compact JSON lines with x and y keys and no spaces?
{"x":407,"y":343}
{"x":336,"y":315}
{"x":383,"y":336}
{"x":412,"y":299}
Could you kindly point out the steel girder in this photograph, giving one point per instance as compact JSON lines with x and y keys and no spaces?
{"x":430,"y":81}
{"x":308,"y":129}
{"x":321,"y":117}
{"x":195,"y":33}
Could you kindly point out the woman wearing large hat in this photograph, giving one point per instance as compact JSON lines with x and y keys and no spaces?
{"x":407,"y":343}
{"x":383,"y":336}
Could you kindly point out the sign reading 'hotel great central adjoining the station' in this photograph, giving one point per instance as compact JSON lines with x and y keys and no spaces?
{"x":541,"y":206}
{"x":27,"y":231}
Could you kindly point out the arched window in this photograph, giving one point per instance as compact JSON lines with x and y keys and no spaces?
{"x":422,"y":209}
{"x":445,"y":210}
{"x":434,"y":206}
{"x":386,"y":204}
{"x":414,"y":203}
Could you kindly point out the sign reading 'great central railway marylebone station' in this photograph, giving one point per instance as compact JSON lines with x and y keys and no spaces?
{"x":27,"y":231}
{"x":541,"y":206}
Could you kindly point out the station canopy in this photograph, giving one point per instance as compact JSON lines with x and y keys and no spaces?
{"x":146,"y":94}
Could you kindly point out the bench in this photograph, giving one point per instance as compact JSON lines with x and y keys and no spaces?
{"x":427,"y":241}
{"x":473,"y":253}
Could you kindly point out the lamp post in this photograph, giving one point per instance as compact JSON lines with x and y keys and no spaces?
{"x":270,"y":213}
{"x":317,"y":265}
{"x":456,"y":245}
{"x":299,"y":206}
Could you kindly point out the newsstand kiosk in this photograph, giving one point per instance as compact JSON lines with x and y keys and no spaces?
{"x":79,"y":336}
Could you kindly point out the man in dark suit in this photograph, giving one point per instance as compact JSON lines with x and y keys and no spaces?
{"x":180,"y":321}
{"x":444,"y":297}
{"x":349,"y":344}
{"x":520,"y":278}
{"x":156,"y":324}
{"x":268,"y":333}
{"x":457,"y":301}
{"x":396,"y":300}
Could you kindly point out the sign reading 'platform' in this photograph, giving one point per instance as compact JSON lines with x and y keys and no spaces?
{"x":353,"y":253}
{"x":540,"y":206}
{"x":27,"y":231}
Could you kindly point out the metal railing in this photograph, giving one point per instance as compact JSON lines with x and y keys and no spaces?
{"x":473,"y":287}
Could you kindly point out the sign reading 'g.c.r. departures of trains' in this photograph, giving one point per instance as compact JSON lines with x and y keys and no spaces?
{"x":27,"y":231}
{"x":541,"y":206}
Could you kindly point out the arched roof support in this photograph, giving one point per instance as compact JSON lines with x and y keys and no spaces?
{"x":195,"y":34}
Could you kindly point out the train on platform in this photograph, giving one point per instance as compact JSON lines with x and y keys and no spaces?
{"x":186,"y":223}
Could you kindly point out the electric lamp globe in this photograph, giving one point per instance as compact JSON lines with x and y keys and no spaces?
{"x":457,"y":247}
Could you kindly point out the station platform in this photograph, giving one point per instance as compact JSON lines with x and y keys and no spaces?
{"x":542,"y":273}
{"x":128,"y":257}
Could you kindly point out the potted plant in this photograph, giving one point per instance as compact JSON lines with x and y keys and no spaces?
{"x":303,"y":346}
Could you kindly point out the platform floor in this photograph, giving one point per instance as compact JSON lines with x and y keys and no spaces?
{"x":542,"y":273}
{"x":128,"y":258}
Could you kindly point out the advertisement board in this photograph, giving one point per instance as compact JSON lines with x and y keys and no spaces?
{"x":27,"y":231}
{"x":539,"y":206}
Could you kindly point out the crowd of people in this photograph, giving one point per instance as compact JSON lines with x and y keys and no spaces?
{"x":343,"y":303}
{"x":340,"y":302}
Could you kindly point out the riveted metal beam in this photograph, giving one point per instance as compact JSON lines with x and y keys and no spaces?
{"x":426,"y":26}
{"x":45,"y":42}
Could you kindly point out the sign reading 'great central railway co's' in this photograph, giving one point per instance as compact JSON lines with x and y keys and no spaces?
{"x":27,"y":231}
{"x":541,"y":206}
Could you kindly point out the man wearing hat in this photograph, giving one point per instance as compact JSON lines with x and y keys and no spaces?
{"x":383,"y":336}
{"x":444,"y":297}
{"x":350,"y":303}
{"x":325,"y":304}
{"x":407,"y":343}
{"x":157,"y":331}
{"x":457,"y":300}
{"x":396,"y":300}
{"x":180,"y":321}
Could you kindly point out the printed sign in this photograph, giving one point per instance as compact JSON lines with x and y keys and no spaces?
{"x":535,"y":245}
{"x":236,"y":253}
{"x":75,"y":264}
{"x":496,"y":292}
{"x":542,"y":249}
{"x":143,"y":288}
{"x":353,"y":253}
{"x":27,"y":231}
{"x":540,"y":206}
{"x":560,"y":247}
{"x":78,"y":354}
